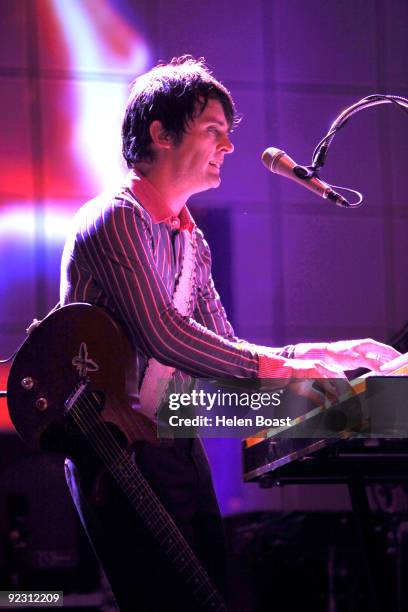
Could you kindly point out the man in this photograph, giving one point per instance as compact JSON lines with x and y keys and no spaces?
{"x":141,"y":256}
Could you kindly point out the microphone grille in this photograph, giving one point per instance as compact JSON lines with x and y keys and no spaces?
{"x":271,"y":156}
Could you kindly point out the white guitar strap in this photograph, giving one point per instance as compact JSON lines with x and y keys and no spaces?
{"x":157,"y":376}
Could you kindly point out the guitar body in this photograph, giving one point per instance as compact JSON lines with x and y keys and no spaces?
{"x":75,"y":343}
{"x":75,"y":373}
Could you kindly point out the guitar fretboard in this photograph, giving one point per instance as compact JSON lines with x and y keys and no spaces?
{"x":85,"y":410}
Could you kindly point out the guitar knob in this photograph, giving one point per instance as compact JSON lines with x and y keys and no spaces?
{"x":27,"y":383}
{"x":41,"y":404}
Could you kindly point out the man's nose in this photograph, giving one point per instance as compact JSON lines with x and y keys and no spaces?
{"x":227,"y":145}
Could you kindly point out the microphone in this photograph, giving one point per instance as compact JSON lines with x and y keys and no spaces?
{"x":277,"y":161}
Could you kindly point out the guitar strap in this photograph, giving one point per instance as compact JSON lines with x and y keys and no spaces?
{"x":157,"y":376}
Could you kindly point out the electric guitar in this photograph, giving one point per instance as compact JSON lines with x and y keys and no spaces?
{"x":76,"y":370}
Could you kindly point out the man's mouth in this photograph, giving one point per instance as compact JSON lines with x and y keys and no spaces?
{"x":216,"y":164}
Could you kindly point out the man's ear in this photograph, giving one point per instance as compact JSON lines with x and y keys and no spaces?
{"x":159,"y":135}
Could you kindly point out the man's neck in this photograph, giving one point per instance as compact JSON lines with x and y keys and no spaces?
{"x":163,"y":180}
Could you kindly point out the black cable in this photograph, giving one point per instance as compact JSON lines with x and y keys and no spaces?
{"x":13,"y":355}
{"x":8,"y":358}
{"x":28,"y":331}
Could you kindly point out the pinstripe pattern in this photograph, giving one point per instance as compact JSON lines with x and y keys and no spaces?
{"x":117,"y":257}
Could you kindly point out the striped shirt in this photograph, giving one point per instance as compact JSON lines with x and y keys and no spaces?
{"x":125,"y":254}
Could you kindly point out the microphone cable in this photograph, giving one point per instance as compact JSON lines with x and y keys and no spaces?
{"x":322,"y":148}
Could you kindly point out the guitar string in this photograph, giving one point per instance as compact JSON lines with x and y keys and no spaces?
{"x":102,"y":446}
{"x":116,"y":464}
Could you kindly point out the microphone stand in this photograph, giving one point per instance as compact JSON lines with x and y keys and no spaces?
{"x":321,"y":150}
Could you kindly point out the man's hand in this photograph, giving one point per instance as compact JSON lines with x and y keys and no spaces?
{"x":367,"y":353}
{"x":349,"y":354}
{"x":332,"y":380}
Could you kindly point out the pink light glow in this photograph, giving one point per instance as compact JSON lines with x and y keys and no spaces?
{"x":99,"y":41}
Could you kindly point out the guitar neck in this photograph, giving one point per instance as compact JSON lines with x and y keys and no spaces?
{"x":85,"y":409}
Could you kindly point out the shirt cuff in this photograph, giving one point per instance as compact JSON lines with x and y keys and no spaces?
{"x":274,"y":367}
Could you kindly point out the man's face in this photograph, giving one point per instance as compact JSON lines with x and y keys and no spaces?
{"x":198,"y":158}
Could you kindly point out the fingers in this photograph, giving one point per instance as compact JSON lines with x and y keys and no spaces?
{"x":332,"y":382}
{"x":377,"y":354}
{"x":325,"y":390}
{"x":365,"y":353}
{"x":305,"y":388}
{"x":383,"y":350}
{"x":336,"y":384}
{"x":343,"y":387}
{"x":325,"y":371}
{"x":376,"y":362}
{"x":396,"y":364}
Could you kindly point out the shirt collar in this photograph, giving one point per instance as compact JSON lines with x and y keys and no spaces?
{"x":156,"y":206}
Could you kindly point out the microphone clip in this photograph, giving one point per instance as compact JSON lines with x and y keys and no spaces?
{"x":305,"y":172}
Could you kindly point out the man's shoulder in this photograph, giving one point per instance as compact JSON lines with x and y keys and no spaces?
{"x":107,"y":205}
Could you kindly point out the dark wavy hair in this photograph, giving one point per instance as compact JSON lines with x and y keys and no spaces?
{"x":174,"y":94}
